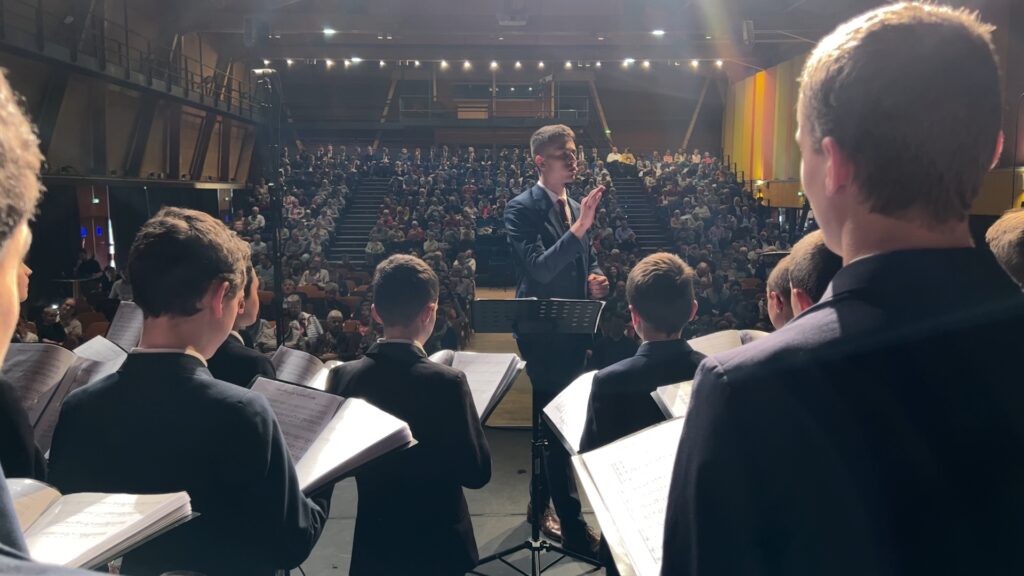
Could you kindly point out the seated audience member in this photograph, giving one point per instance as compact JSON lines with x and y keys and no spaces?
{"x":1005,"y":238}
{"x":87,"y":266}
{"x":812,"y":266}
{"x":846,"y":442}
{"x":72,"y":327}
{"x":334,"y":339}
{"x":234,"y":361}
{"x":50,"y":330}
{"x":415,"y":498}
{"x":162,"y":423}
{"x":303,"y":329}
{"x":780,"y":310}
{"x":661,"y":301}
{"x":107,"y":279}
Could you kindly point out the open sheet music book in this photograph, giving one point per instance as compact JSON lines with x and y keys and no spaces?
{"x":90,"y":529}
{"x":724,"y":341}
{"x":567,"y":413}
{"x":329,"y":436}
{"x":627,"y":483}
{"x":299,"y":367}
{"x":126,"y":328}
{"x":489,"y":375}
{"x":674,"y":399}
{"x":44,"y":374}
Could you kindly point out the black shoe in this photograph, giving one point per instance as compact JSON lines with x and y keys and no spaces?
{"x":549,"y":524}
{"x":586,"y":543}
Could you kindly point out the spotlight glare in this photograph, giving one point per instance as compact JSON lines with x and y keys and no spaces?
{"x":568,"y":65}
{"x":466,"y":65}
{"x":328,"y":31}
{"x":707,"y":37}
{"x":658,"y":32}
{"x":719,"y":63}
{"x":444,"y":64}
{"x":540,"y":65}
{"x":382,"y":64}
{"x":266,"y":62}
{"x":348,"y":63}
{"x":289,"y":61}
{"x":597,"y":64}
{"x":329,"y":62}
{"x":494,"y":64}
{"x":416,"y":63}
{"x":646,"y":64}
{"x":519,"y":65}
{"x":694,"y":63}
{"x":356,"y":60}
{"x":600,"y":38}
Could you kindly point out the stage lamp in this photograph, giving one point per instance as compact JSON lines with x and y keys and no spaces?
{"x":568,"y":65}
{"x":519,"y":65}
{"x":694,"y":63}
{"x":356,"y":60}
{"x":540,"y":65}
{"x":597,"y":64}
{"x":328,"y":31}
{"x":416,"y":63}
{"x":466,"y":65}
{"x":382,"y":64}
{"x":330,"y":63}
{"x":659,"y":32}
{"x":719,"y":63}
{"x":494,"y":65}
{"x":646,"y":64}
{"x":444,"y":64}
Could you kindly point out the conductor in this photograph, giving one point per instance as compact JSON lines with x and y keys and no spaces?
{"x":548,"y":234}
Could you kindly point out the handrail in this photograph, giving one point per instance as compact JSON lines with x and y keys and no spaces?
{"x":110,"y":42}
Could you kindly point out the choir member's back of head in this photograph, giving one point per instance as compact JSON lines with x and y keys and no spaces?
{"x":660,"y":294}
{"x":1006,"y":240}
{"x":186,"y":266}
{"x":780,"y":309}
{"x":811,"y":267}
{"x":20,"y":159}
{"x":405,"y":291}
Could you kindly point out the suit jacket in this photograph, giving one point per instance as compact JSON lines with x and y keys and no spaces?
{"x":236,"y":363}
{"x":412,"y":516}
{"x":881,"y":432}
{"x":19,"y":454}
{"x":162,"y":423}
{"x":620,"y":399}
{"x":550,"y":261}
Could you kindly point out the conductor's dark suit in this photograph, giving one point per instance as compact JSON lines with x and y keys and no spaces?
{"x":620,"y":398}
{"x":412,"y":516}
{"x":880,"y":432}
{"x":163,"y":424}
{"x":236,"y":363}
{"x":551,"y":262}
{"x":19,"y":454}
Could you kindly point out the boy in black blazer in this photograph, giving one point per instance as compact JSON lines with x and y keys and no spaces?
{"x":660,"y":294}
{"x":412,"y":516}
{"x":162,"y":423}
{"x":234,"y":361}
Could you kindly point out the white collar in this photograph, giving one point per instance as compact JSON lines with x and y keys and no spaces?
{"x":236,"y":335}
{"x":187,"y":351}
{"x":554,"y":197}
{"x":400,"y":341}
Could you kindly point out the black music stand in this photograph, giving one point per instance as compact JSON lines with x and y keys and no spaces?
{"x":532,"y":316}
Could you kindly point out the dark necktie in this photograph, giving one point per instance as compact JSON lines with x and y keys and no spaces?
{"x":564,"y":214}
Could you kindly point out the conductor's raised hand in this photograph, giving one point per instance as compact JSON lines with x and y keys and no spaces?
{"x":588,"y":212}
{"x":598,"y":285}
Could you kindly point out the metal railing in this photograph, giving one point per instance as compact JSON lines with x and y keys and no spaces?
{"x":112,"y":44}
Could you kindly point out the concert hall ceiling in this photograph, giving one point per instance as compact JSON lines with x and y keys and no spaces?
{"x":759,"y":32}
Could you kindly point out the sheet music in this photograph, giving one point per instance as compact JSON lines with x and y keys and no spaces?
{"x":674,"y":399}
{"x":716,"y":343}
{"x":446,"y":357}
{"x":296,"y":366}
{"x":748,"y":336}
{"x":126,"y":328}
{"x":31,"y":499}
{"x":632,"y":476}
{"x":358,"y":433}
{"x":35,"y":371}
{"x":567,"y":413}
{"x":486,"y":374}
{"x":301,"y":412}
{"x":320,"y":381}
{"x":80,"y":527}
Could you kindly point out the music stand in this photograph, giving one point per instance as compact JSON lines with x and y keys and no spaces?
{"x":533,"y":316}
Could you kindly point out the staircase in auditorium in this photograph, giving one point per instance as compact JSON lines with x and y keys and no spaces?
{"x":353,"y":227}
{"x":651,"y":235}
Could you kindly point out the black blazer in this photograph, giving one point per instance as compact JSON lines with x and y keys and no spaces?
{"x":620,"y":399}
{"x":881,"y":432}
{"x":412,"y":516}
{"x":236,"y":363}
{"x":163,"y":424}
{"x":19,"y":454}
{"x":550,"y":261}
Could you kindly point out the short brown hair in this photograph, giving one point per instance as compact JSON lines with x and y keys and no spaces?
{"x":177,"y":255}
{"x":911,"y":92}
{"x":402,"y":286}
{"x":660,"y":289}
{"x":778,"y":280}
{"x":20,"y":159}
{"x":812,"y":265}
{"x":547,"y":136}
{"x":1006,"y":240}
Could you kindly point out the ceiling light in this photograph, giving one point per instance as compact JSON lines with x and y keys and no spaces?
{"x":513,"y":89}
{"x":628,"y":62}
{"x":380,"y":36}
{"x":289,"y":62}
{"x":707,"y":37}
{"x":676,"y":63}
{"x":266,"y":62}
{"x":540,"y":65}
{"x":389,"y":37}
{"x":719,"y":63}
{"x":356,"y":59}
{"x":601,"y":38}
{"x":658,"y":32}
{"x":519,"y":65}
{"x":494,"y":64}
{"x":568,"y":65}
{"x":444,"y":64}
{"x":501,"y":37}
{"x":382,"y":64}
{"x":466,"y":65}
{"x":597,"y":64}
{"x":416,"y":63}
{"x":347,"y":63}
{"x":646,"y":64}
{"x":329,"y":62}
{"x":328,"y":31}
{"x":694,"y":63}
